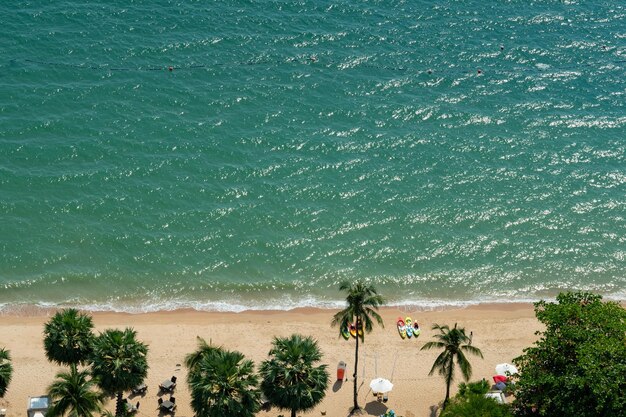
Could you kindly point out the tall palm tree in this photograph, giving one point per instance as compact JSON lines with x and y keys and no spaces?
{"x":6,"y":371}
{"x":223,"y":383}
{"x":68,"y":337}
{"x":74,"y":394}
{"x":363,"y":302}
{"x":289,"y":378}
{"x":454,"y":343}
{"x":119,"y":363}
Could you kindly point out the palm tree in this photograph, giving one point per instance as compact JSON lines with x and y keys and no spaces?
{"x":6,"y":371}
{"x":453,"y":342}
{"x":289,"y":379}
{"x":223,"y":383}
{"x":74,"y":394}
{"x":119,"y":363}
{"x":68,"y":337}
{"x":363,"y":301}
{"x":193,"y":359}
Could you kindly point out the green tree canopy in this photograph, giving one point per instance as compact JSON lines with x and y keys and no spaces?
{"x":6,"y":371}
{"x":223,"y":383}
{"x":74,"y":394}
{"x":454,"y":343}
{"x":363,"y":302}
{"x":119,"y":363}
{"x":68,"y":337}
{"x":578,"y":365}
{"x":290,"y":379}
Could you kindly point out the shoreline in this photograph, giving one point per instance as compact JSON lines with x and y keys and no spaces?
{"x":239,"y":306}
{"x":501,"y":331}
{"x":31,"y":309}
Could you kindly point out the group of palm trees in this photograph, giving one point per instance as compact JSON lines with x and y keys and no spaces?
{"x":363,"y":301}
{"x":115,"y":362}
{"x":221,"y":382}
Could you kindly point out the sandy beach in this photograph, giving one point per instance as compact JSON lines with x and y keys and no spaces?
{"x":501,"y":331}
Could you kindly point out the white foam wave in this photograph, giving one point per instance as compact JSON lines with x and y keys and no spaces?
{"x":413,"y":304}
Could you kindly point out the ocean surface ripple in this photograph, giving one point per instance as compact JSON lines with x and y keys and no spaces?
{"x":253,"y":154}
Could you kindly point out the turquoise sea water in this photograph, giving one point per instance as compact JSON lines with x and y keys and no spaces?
{"x":450,"y":152}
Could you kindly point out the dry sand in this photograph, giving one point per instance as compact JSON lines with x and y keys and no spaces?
{"x":501,"y":331}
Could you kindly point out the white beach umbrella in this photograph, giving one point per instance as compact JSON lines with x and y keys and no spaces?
{"x":381,"y":385}
{"x":506,"y":369}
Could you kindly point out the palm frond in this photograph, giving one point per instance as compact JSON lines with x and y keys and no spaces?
{"x":464,"y":365}
{"x":6,"y":371}
{"x":75,"y":394}
{"x":473,"y":350}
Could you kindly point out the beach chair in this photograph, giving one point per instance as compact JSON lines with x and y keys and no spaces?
{"x":130,"y":408}
{"x":498,"y":396}
{"x":265,"y":403}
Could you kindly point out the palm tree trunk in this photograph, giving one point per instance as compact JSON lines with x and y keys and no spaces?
{"x":448,"y":382}
{"x":293,"y":412}
{"x":119,"y":411}
{"x":356,"y":366}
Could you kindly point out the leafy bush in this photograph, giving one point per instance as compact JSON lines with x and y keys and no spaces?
{"x":479,"y":388}
{"x":475,"y":405}
{"x":471,"y":402}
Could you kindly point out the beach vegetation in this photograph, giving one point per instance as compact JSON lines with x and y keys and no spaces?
{"x":204,"y":349}
{"x":474,"y":405}
{"x":479,"y":387}
{"x":454,"y":343}
{"x":68,"y":337}
{"x":290,"y":378}
{"x":223,"y":383}
{"x":119,"y":363}
{"x":578,"y":364}
{"x":6,"y":371}
{"x":470,"y":401}
{"x":74,"y":394}
{"x":363,"y":301}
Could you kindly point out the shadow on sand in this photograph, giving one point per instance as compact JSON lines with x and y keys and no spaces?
{"x":337,"y":385}
{"x":375,"y":408}
{"x":434,"y":410}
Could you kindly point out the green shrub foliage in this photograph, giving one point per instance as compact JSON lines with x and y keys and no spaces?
{"x":471,"y":402}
